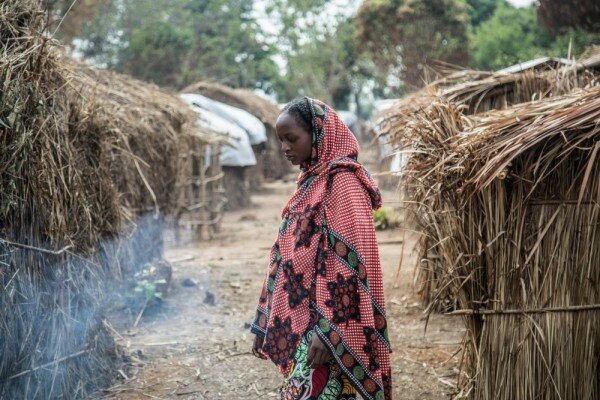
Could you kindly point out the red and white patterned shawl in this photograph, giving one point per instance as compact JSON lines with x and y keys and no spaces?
{"x":324,"y":271}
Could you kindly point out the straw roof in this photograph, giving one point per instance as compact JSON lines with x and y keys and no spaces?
{"x":145,"y":127}
{"x":479,"y":91}
{"x":58,"y":203}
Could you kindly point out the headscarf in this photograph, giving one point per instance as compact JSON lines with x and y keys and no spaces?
{"x":324,"y":271}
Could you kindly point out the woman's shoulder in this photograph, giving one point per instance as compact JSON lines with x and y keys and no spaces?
{"x":346,"y":185}
{"x":345,"y":176}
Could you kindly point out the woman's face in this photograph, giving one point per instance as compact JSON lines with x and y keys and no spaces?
{"x":296,"y":143}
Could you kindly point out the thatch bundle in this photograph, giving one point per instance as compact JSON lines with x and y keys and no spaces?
{"x":57,"y":204}
{"x":479,"y":91}
{"x":83,"y":155}
{"x":274,"y":164}
{"x":509,"y":203}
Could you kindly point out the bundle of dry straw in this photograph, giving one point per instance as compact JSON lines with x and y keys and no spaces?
{"x":509,"y":203}
{"x":82,"y":157}
{"x":162,"y":162}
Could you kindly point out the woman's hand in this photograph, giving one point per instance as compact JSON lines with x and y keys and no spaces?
{"x":318,"y":354}
{"x":257,"y":345}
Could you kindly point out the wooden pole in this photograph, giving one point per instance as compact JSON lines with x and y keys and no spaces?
{"x":532,"y":311}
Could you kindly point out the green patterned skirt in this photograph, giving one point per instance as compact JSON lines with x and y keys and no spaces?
{"x":327,"y":382}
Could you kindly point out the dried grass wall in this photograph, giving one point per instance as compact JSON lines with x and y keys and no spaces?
{"x":89,"y":167}
{"x":58,"y":204}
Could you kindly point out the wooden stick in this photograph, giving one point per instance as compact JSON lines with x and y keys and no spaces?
{"x":532,"y":311}
{"x":139,"y":317}
{"x":27,"y":247}
{"x":202,"y":228}
{"x":29,"y":371}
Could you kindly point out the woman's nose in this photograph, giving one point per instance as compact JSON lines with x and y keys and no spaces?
{"x":285,"y":147}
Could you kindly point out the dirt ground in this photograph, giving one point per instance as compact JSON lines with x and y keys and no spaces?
{"x":198,"y":345}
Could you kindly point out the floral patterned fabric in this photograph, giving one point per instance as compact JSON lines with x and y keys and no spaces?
{"x":326,"y":382}
{"x":324,"y":274}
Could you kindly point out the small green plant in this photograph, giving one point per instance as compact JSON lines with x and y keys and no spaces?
{"x":149,"y":289}
{"x":384,"y":219}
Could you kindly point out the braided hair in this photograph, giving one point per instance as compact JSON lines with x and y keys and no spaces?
{"x":300,"y":110}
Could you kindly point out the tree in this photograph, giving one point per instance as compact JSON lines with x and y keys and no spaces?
{"x":227,"y":46}
{"x":403,"y":36}
{"x":482,"y":10}
{"x":317,"y":44}
{"x":514,"y":35}
{"x":172,"y":42}
{"x":157,"y":52}
{"x":559,"y":16}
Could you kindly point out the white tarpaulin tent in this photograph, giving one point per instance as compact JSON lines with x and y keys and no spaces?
{"x":257,"y":133}
{"x":240,"y":153}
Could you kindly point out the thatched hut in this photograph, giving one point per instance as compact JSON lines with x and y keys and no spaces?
{"x":509,"y":205}
{"x":274,"y":164}
{"x":474,"y":92}
{"x":89,"y":167}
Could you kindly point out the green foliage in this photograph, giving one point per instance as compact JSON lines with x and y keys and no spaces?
{"x":317,"y":42}
{"x":227,"y":48}
{"x":385,"y":219}
{"x":156,"y":53}
{"x":577,"y":39}
{"x":148,"y":289}
{"x":512,"y":35}
{"x":327,"y":67}
{"x":412,"y":33}
{"x":481,"y":10}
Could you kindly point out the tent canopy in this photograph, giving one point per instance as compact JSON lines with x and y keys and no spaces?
{"x":254,"y":128}
{"x":240,"y":153}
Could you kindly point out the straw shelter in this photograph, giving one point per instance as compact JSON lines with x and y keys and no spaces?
{"x":90,"y":165}
{"x":508,"y":202}
{"x":474,"y":92}
{"x":274,"y":164}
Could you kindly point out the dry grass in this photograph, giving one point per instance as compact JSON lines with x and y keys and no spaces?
{"x":87,"y":159}
{"x":509,"y":203}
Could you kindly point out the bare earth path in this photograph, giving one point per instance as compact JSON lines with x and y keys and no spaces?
{"x":197,"y":349}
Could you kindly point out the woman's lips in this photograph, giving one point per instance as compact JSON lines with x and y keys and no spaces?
{"x":289,"y":157}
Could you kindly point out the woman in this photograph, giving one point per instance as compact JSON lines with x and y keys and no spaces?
{"x":320,"y":316}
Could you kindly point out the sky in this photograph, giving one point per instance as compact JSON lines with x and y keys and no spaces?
{"x":520,"y":3}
